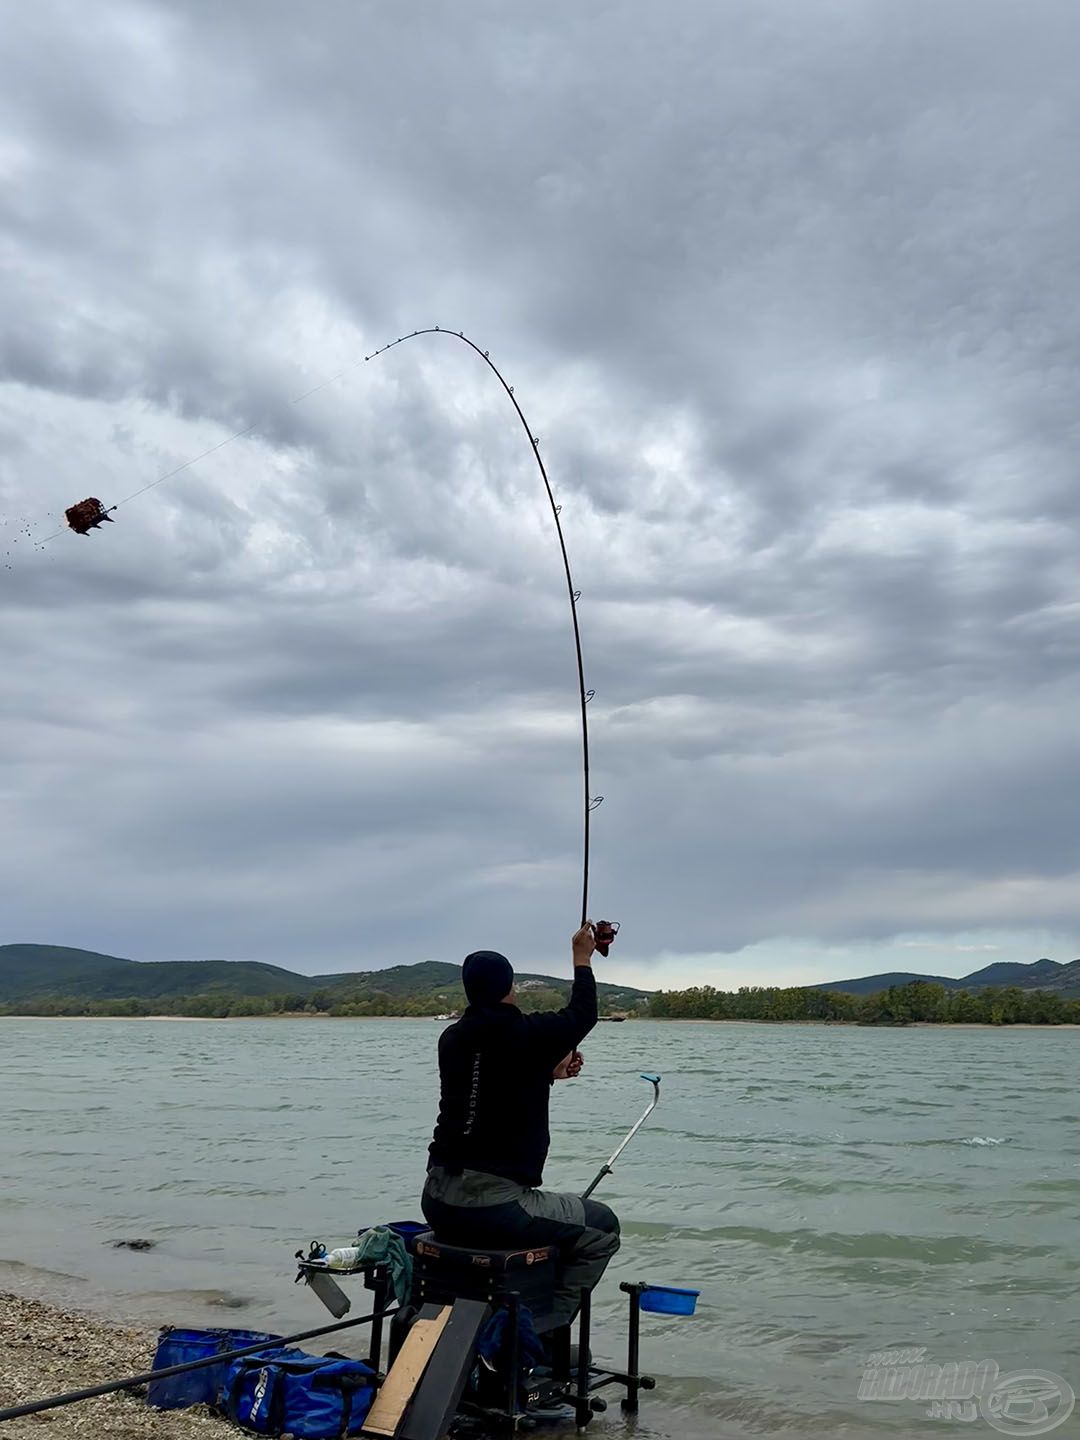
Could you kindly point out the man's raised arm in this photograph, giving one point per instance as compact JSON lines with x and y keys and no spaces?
{"x":558,"y":1031}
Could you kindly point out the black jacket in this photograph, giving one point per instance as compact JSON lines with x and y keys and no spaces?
{"x":495,"y":1066}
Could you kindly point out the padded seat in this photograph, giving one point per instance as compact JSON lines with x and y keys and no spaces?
{"x":443,"y":1273}
{"x":438,"y":1252}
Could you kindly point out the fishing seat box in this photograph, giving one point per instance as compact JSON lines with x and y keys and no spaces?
{"x":444,"y":1273}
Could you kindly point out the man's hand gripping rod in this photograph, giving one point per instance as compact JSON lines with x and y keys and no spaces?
{"x":654,"y":1081}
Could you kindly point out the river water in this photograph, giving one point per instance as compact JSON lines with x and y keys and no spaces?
{"x":831,"y":1191}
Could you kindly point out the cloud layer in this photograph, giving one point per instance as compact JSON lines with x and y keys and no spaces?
{"x":789,"y":297}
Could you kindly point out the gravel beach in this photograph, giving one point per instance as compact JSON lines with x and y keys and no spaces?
{"x":45,"y":1350}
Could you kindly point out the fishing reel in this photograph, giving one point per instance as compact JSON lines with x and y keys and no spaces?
{"x":604,"y":932}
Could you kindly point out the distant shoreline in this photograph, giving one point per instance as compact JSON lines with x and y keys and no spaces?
{"x":858,"y":1025}
{"x":660,"y":1019}
{"x":223,"y":1019}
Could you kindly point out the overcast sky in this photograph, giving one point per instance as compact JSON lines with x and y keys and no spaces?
{"x":789,"y":293}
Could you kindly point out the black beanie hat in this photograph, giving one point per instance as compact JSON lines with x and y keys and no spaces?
{"x":488,"y":977}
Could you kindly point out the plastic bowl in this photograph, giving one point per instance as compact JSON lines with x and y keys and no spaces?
{"x":409,"y":1230}
{"x":669,"y":1300}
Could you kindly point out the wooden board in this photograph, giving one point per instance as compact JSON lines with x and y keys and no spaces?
{"x":397,"y":1389}
{"x":435,"y":1400}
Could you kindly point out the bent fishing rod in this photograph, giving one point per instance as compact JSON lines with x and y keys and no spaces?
{"x":584,"y":696}
{"x":90,"y":514}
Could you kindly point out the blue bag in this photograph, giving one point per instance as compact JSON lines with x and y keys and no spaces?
{"x":493,"y":1351}
{"x":493,"y":1345}
{"x":197,"y":1387}
{"x":314,"y":1397}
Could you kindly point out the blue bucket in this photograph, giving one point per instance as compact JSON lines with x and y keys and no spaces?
{"x":669,"y":1300}
{"x":409,"y":1230}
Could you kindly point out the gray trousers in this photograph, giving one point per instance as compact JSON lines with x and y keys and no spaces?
{"x":493,"y":1213}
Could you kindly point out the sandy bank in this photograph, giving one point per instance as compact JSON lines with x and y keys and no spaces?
{"x":45,"y":1350}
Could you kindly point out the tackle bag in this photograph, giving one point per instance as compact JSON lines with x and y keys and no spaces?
{"x":494,"y":1343}
{"x":314,"y":1397}
{"x":491,"y":1374}
{"x":196,"y":1387}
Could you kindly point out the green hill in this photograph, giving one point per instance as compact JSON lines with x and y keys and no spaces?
{"x":1043,"y":974}
{"x":431,"y":976}
{"x":33,"y":973}
{"x":27,"y":971}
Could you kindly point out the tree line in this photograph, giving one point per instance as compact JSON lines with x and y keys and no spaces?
{"x":917,"y":1001}
{"x":220,"y":1005}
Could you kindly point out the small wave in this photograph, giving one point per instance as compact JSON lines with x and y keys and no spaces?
{"x":986,"y":1140}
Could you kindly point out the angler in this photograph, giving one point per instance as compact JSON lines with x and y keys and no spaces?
{"x":487,"y":1157}
{"x":480,"y":1344}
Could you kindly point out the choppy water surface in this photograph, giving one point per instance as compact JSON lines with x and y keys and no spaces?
{"x":832,"y":1192}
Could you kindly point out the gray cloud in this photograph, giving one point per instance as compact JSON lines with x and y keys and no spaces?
{"x":789,"y":297}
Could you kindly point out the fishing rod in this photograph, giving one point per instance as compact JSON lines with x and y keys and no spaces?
{"x":90,"y":514}
{"x":609,"y":1164}
{"x":584,"y":696}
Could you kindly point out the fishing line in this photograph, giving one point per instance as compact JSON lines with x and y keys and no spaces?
{"x":194,"y":460}
{"x":605,"y":931}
